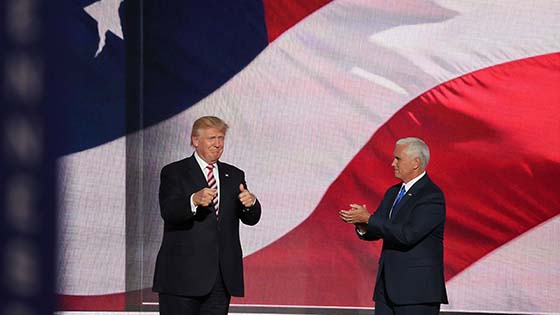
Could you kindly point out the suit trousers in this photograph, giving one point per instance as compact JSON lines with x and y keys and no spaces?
{"x":214,"y":303}
{"x":384,"y":305}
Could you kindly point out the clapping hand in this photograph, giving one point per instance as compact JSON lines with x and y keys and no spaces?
{"x":355,"y":215}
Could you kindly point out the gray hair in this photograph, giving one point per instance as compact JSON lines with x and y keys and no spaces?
{"x":416,"y":148}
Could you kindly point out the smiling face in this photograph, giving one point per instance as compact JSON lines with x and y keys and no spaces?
{"x":209,"y":144}
{"x":405,"y":166}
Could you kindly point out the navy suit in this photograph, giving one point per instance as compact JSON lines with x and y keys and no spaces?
{"x":411,"y":263}
{"x":195,"y":245}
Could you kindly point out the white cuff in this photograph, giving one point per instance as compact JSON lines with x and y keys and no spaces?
{"x":193,"y":207}
{"x":360,"y":232}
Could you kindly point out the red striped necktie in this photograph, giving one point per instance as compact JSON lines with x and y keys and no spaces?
{"x":213,"y":184}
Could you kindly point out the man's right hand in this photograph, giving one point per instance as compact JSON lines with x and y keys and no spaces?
{"x":357,"y":214}
{"x":204,"y":197}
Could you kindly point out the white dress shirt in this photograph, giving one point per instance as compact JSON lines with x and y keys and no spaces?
{"x":203,"y":166}
{"x":407,"y":187}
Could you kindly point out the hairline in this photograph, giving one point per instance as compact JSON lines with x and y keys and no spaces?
{"x":416,"y":148}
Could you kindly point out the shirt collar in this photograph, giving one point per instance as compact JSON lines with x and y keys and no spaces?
{"x":203,"y":163}
{"x":408,"y":185}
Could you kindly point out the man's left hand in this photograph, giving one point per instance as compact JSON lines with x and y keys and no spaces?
{"x":246,"y":197}
{"x":355,"y":215}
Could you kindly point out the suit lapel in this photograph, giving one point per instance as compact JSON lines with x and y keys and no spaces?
{"x":409,"y":195}
{"x":225,"y":186}
{"x":195,"y":172}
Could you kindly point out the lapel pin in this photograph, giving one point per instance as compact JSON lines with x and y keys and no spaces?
{"x":227,"y":175}
{"x":409,"y":194}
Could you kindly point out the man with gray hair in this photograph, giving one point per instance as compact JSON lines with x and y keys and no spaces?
{"x":410,"y":220}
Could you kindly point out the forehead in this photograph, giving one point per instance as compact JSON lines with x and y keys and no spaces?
{"x":211,"y":132}
{"x":400,"y":150}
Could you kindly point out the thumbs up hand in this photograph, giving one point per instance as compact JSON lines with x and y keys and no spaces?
{"x":246,"y":197}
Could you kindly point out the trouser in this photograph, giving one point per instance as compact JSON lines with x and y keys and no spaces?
{"x":384,"y":305}
{"x":214,"y":303}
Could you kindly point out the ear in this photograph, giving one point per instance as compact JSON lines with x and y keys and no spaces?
{"x":195,"y":140}
{"x":417,"y":163}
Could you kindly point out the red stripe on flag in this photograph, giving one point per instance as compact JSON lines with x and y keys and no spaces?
{"x":108,"y":302}
{"x":495,"y":153}
{"x":495,"y":149}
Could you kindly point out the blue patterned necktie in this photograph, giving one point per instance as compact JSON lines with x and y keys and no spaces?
{"x":397,"y":200}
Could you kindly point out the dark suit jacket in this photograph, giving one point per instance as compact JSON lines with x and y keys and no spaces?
{"x":195,"y":246}
{"x":412,"y":254}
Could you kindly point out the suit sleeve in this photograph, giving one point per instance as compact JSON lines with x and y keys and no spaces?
{"x":380,"y":215}
{"x":371,"y":234}
{"x":427,"y":214}
{"x":174,"y":203}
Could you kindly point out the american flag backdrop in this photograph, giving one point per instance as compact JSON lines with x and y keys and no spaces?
{"x":316,"y":93}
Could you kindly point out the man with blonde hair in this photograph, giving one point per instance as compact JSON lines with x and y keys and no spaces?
{"x":410,"y":221}
{"x":199,"y":265}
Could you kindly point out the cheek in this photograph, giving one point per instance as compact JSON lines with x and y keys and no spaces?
{"x":408,"y":167}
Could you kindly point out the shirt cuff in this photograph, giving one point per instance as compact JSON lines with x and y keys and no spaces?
{"x":193,"y":207}
{"x":247,"y":209}
{"x":360,"y":231}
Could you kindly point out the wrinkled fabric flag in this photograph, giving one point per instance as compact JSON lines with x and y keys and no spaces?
{"x":316,"y":94}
